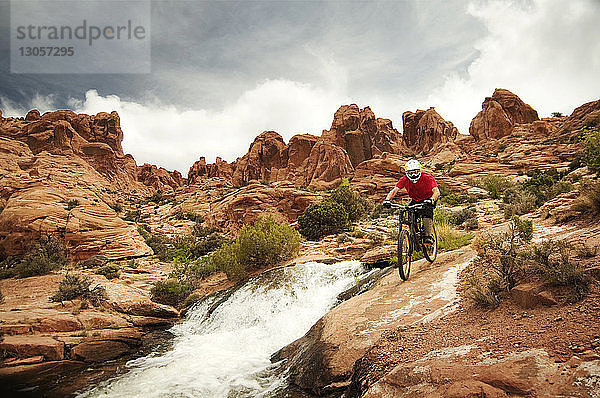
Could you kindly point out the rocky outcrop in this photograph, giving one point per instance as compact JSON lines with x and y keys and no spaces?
{"x":322,"y":360}
{"x":519,"y":374}
{"x":159,"y":178}
{"x":60,"y":174}
{"x":587,"y":114}
{"x":201,"y":170}
{"x":423,"y":130}
{"x":243,"y":206}
{"x":360,"y":134}
{"x":264,"y":155}
{"x":499,"y":114}
{"x":355,"y":135}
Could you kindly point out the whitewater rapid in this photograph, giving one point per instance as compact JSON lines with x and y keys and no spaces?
{"x":227,"y":353}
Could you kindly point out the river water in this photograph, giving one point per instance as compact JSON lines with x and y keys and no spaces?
{"x":227,"y":353}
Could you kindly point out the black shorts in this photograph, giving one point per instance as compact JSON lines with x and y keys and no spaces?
{"x":426,"y":211}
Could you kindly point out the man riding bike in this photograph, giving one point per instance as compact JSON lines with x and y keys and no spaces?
{"x":421,"y":188}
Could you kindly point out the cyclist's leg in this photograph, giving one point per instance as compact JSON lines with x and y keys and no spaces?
{"x":427,"y":214}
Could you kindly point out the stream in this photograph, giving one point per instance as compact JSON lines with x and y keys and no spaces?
{"x":226,"y":352}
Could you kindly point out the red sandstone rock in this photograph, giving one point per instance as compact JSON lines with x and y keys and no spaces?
{"x":32,"y":115}
{"x":28,"y":346}
{"x":499,"y":114}
{"x":159,"y":178}
{"x":423,"y":130}
{"x":201,"y":169}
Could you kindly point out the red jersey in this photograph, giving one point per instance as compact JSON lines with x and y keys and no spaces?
{"x":421,"y":190}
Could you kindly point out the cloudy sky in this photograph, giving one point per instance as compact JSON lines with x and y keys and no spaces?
{"x":222,"y":72}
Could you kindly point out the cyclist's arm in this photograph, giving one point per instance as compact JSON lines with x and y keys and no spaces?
{"x":392,"y":193}
{"x":436,"y":194}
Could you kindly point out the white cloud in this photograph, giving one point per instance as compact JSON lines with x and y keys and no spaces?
{"x":546,"y":52}
{"x":173,"y":138}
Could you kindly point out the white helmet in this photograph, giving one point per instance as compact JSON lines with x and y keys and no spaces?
{"x":413,"y":170}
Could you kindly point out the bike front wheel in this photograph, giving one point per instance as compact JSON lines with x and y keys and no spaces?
{"x":404,"y":255}
{"x":430,"y":251}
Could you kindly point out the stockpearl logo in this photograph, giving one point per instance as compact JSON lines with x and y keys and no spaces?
{"x":80,"y":36}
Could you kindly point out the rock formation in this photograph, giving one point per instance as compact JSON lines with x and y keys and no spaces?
{"x":425,"y":129}
{"x":200,"y":169}
{"x":60,"y":174}
{"x":499,"y":114}
{"x":264,"y":155}
{"x":159,"y":178}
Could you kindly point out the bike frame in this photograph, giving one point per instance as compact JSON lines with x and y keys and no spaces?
{"x":414,"y":229}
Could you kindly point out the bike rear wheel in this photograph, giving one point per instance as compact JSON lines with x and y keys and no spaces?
{"x":430,"y":251}
{"x":404,"y":255}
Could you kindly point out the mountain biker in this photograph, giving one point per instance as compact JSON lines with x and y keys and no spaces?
{"x":421,"y":188}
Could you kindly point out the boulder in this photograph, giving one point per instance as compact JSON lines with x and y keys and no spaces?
{"x":423,"y":130}
{"x":531,"y":295}
{"x":499,"y":114}
{"x":133,"y":301}
{"x":24,"y":346}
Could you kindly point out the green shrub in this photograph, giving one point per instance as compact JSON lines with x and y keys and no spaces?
{"x":71,"y":204}
{"x":110,"y":270}
{"x":43,"y":257}
{"x":356,"y":206}
{"x":341,"y":238}
{"x":588,"y":201}
{"x":455,"y":199}
{"x":76,"y":286}
{"x":117,"y":207}
{"x":261,"y":245}
{"x":518,"y":202}
{"x":467,"y":217}
{"x":170,"y":292}
{"x":133,"y":215}
{"x":157,"y":197}
{"x":557,"y":114}
{"x":553,"y":260}
{"x":495,"y":185}
{"x":546,"y":185}
{"x":161,"y":245}
{"x":502,"y":147}
{"x":357,"y":233}
{"x":193,"y":272}
{"x":591,"y":148}
{"x":321,"y":219}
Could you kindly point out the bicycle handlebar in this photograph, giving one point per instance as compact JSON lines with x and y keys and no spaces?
{"x":407,"y":206}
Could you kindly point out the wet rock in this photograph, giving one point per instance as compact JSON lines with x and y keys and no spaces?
{"x":379,"y":254}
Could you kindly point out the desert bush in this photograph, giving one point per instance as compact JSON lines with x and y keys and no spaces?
{"x":517,"y":202}
{"x":591,"y":148}
{"x":455,"y":199}
{"x":110,"y":270}
{"x":355,"y":205}
{"x":556,"y":114}
{"x":71,"y":204}
{"x":466,"y":217}
{"x":171,"y":292}
{"x":43,"y":257}
{"x":546,"y":185}
{"x":76,"y":286}
{"x":483,"y":290}
{"x":553,"y":261}
{"x":193,"y":272}
{"x":495,"y":185}
{"x":133,"y":215}
{"x":261,"y":245}
{"x":341,"y":238}
{"x":156,"y":197}
{"x":117,"y":207}
{"x":358,"y":233}
{"x":321,"y":219}
{"x":584,"y":250}
{"x":502,"y":253}
{"x":588,"y":201}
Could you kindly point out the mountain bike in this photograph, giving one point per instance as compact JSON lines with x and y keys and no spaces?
{"x":411,"y":239}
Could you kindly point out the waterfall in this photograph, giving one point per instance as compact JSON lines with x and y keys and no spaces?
{"x":227,"y":353}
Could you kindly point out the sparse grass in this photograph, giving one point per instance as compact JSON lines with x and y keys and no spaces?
{"x":449,"y":238}
{"x":495,"y":185}
{"x":483,"y":291}
{"x":588,"y":202}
